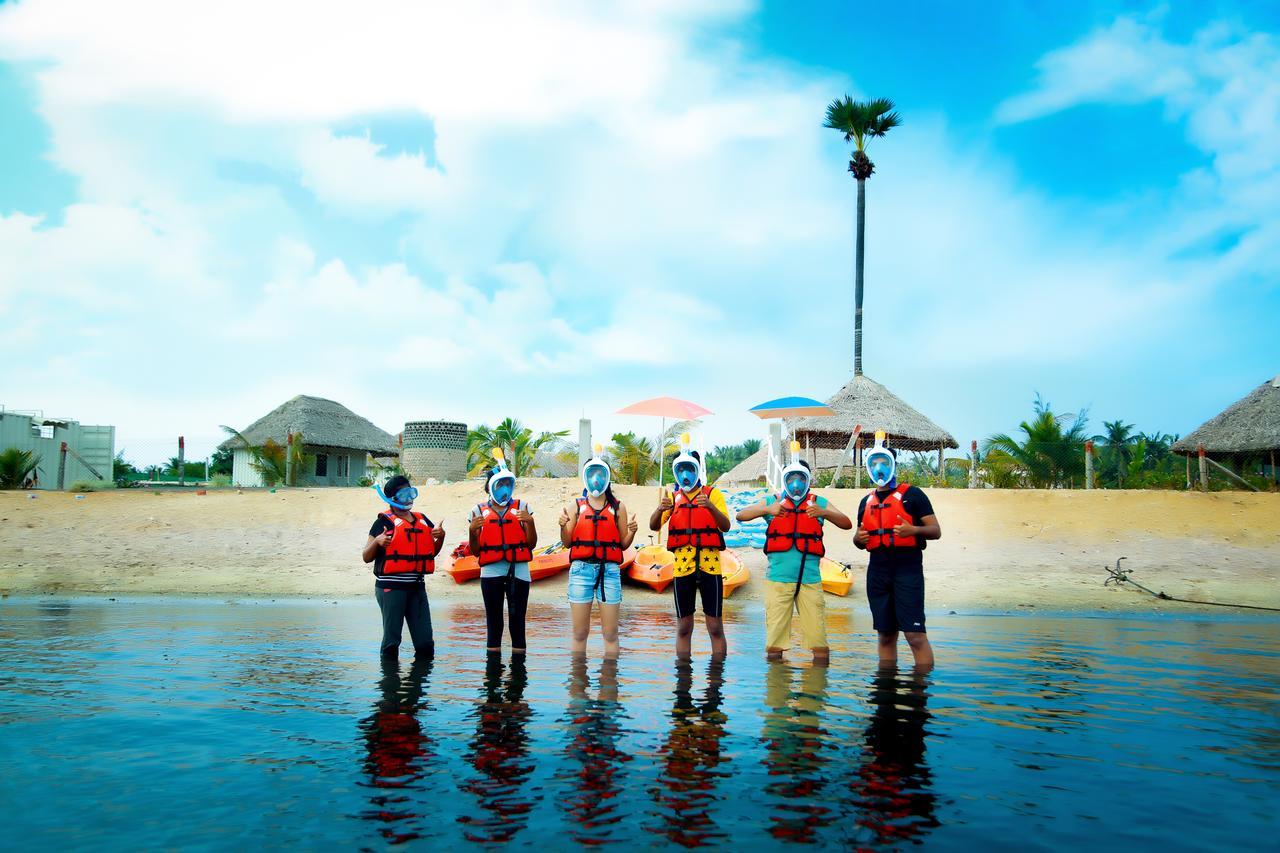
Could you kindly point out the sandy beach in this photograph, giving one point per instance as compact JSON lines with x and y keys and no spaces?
{"x":1000,"y":550}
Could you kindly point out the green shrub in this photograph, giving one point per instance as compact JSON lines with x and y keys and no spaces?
{"x":365,"y":482}
{"x":220,"y":481}
{"x":91,"y":486}
{"x":16,"y":467}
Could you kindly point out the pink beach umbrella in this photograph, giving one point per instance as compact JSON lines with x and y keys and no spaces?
{"x":666,"y":407}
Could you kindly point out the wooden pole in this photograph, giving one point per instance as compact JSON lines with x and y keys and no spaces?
{"x":973,"y":464}
{"x":1088,"y":464}
{"x":182,"y":461}
{"x":1204,"y":469}
{"x":1233,"y":475}
{"x":288,"y":458}
{"x":1274,"y":480}
{"x":857,"y":460}
{"x":62,"y":467}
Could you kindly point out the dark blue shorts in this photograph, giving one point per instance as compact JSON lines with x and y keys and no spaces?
{"x":896,"y":596}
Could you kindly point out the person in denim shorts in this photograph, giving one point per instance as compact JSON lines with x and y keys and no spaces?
{"x":596,"y":530}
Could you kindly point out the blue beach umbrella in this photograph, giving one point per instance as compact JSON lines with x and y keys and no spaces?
{"x":792,"y":407}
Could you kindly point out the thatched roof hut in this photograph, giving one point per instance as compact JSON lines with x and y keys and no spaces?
{"x":1248,"y":427}
{"x":753,"y":468}
{"x":863,"y":401}
{"x":323,"y":423}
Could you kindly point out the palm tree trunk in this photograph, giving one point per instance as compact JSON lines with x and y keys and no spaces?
{"x":857,"y":273}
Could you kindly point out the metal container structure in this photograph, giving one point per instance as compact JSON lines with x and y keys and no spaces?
{"x":89,"y":445}
{"x":434,"y":450}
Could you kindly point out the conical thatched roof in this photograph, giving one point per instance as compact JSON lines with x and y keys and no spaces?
{"x":752,"y":468}
{"x":864,"y":401}
{"x":323,"y":423}
{"x":1251,"y":425}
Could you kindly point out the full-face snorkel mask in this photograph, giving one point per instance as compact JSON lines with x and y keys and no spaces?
{"x":796,"y":478}
{"x":881,"y":464}
{"x":596,"y":474}
{"x":686,"y":468}
{"x":502,"y":483}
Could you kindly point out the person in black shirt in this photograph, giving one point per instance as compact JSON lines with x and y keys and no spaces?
{"x":894,"y":522}
{"x":398,"y":548}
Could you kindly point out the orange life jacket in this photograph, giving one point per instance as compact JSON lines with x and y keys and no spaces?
{"x":502,"y":539}
{"x":793,"y":528}
{"x":411,"y":548}
{"x":881,"y":516}
{"x":694,"y":525}
{"x":596,"y":536}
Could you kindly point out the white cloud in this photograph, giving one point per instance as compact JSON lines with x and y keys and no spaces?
{"x":599,"y":176}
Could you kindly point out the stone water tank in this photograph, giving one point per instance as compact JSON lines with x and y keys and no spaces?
{"x":434,"y":450}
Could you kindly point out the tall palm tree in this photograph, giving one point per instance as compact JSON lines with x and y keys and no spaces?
{"x":1119,"y":438}
{"x":860,"y":122}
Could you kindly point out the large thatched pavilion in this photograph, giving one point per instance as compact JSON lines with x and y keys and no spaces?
{"x":1247,"y":429}
{"x":336,"y":442}
{"x":866,"y":403}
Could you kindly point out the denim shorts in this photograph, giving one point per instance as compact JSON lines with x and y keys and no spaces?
{"x":585,"y":586}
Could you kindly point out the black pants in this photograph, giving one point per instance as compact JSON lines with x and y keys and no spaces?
{"x":516,"y":593}
{"x":401,"y":603}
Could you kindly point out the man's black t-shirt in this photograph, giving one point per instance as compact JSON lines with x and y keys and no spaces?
{"x":917,"y":505}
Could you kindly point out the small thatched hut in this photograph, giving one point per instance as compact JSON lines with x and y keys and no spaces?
{"x":1248,"y":428}
{"x":336,"y":442}
{"x":863,"y":401}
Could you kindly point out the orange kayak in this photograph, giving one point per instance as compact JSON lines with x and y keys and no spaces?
{"x":543,"y":565}
{"x":733,"y":570}
{"x":653,"y":566}
{"x":628,"y":559}
{"x":464,"y":569}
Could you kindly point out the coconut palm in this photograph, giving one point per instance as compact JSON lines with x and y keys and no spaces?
{"x":16,"y":467}
{"x":1119,"y":438}
{"x":272,"y":461}
{"x":519,"y":445}
{"x":633,"y":458}
{"x":860,"y":122}
{"x":1052,"y":453}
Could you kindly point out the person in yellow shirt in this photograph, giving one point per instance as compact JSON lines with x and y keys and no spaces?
{"x":696,"y":517}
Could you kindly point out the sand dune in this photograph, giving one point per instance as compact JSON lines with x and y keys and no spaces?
{"x":1000,"y":549}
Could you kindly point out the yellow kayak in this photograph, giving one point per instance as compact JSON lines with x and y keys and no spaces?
{"x":735,"y":572}
{"x":837,"y":578}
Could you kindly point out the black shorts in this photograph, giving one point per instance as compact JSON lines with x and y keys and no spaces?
{"x":709,"y":586}
{"x":896,"y":596}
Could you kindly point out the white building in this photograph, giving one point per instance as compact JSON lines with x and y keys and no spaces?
{"x":336,"y":443}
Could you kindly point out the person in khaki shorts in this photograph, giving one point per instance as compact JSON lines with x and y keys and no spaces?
{"x":794,"y":548}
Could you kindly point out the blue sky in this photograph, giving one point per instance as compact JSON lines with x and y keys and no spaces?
{"x":425,"y":213}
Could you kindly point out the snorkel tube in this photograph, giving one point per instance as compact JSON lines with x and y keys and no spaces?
{"x":404,"y":496}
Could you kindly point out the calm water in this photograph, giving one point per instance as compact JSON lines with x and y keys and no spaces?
{"x":163,"y":724}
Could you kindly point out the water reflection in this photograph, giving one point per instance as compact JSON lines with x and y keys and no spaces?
{"x":592,"y":778}
{"x":796,"y":748}
{"x":499,"y":751}
{"x":397,"y":750}
{"x":893,"y":789}
{"x":691,"y":758}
